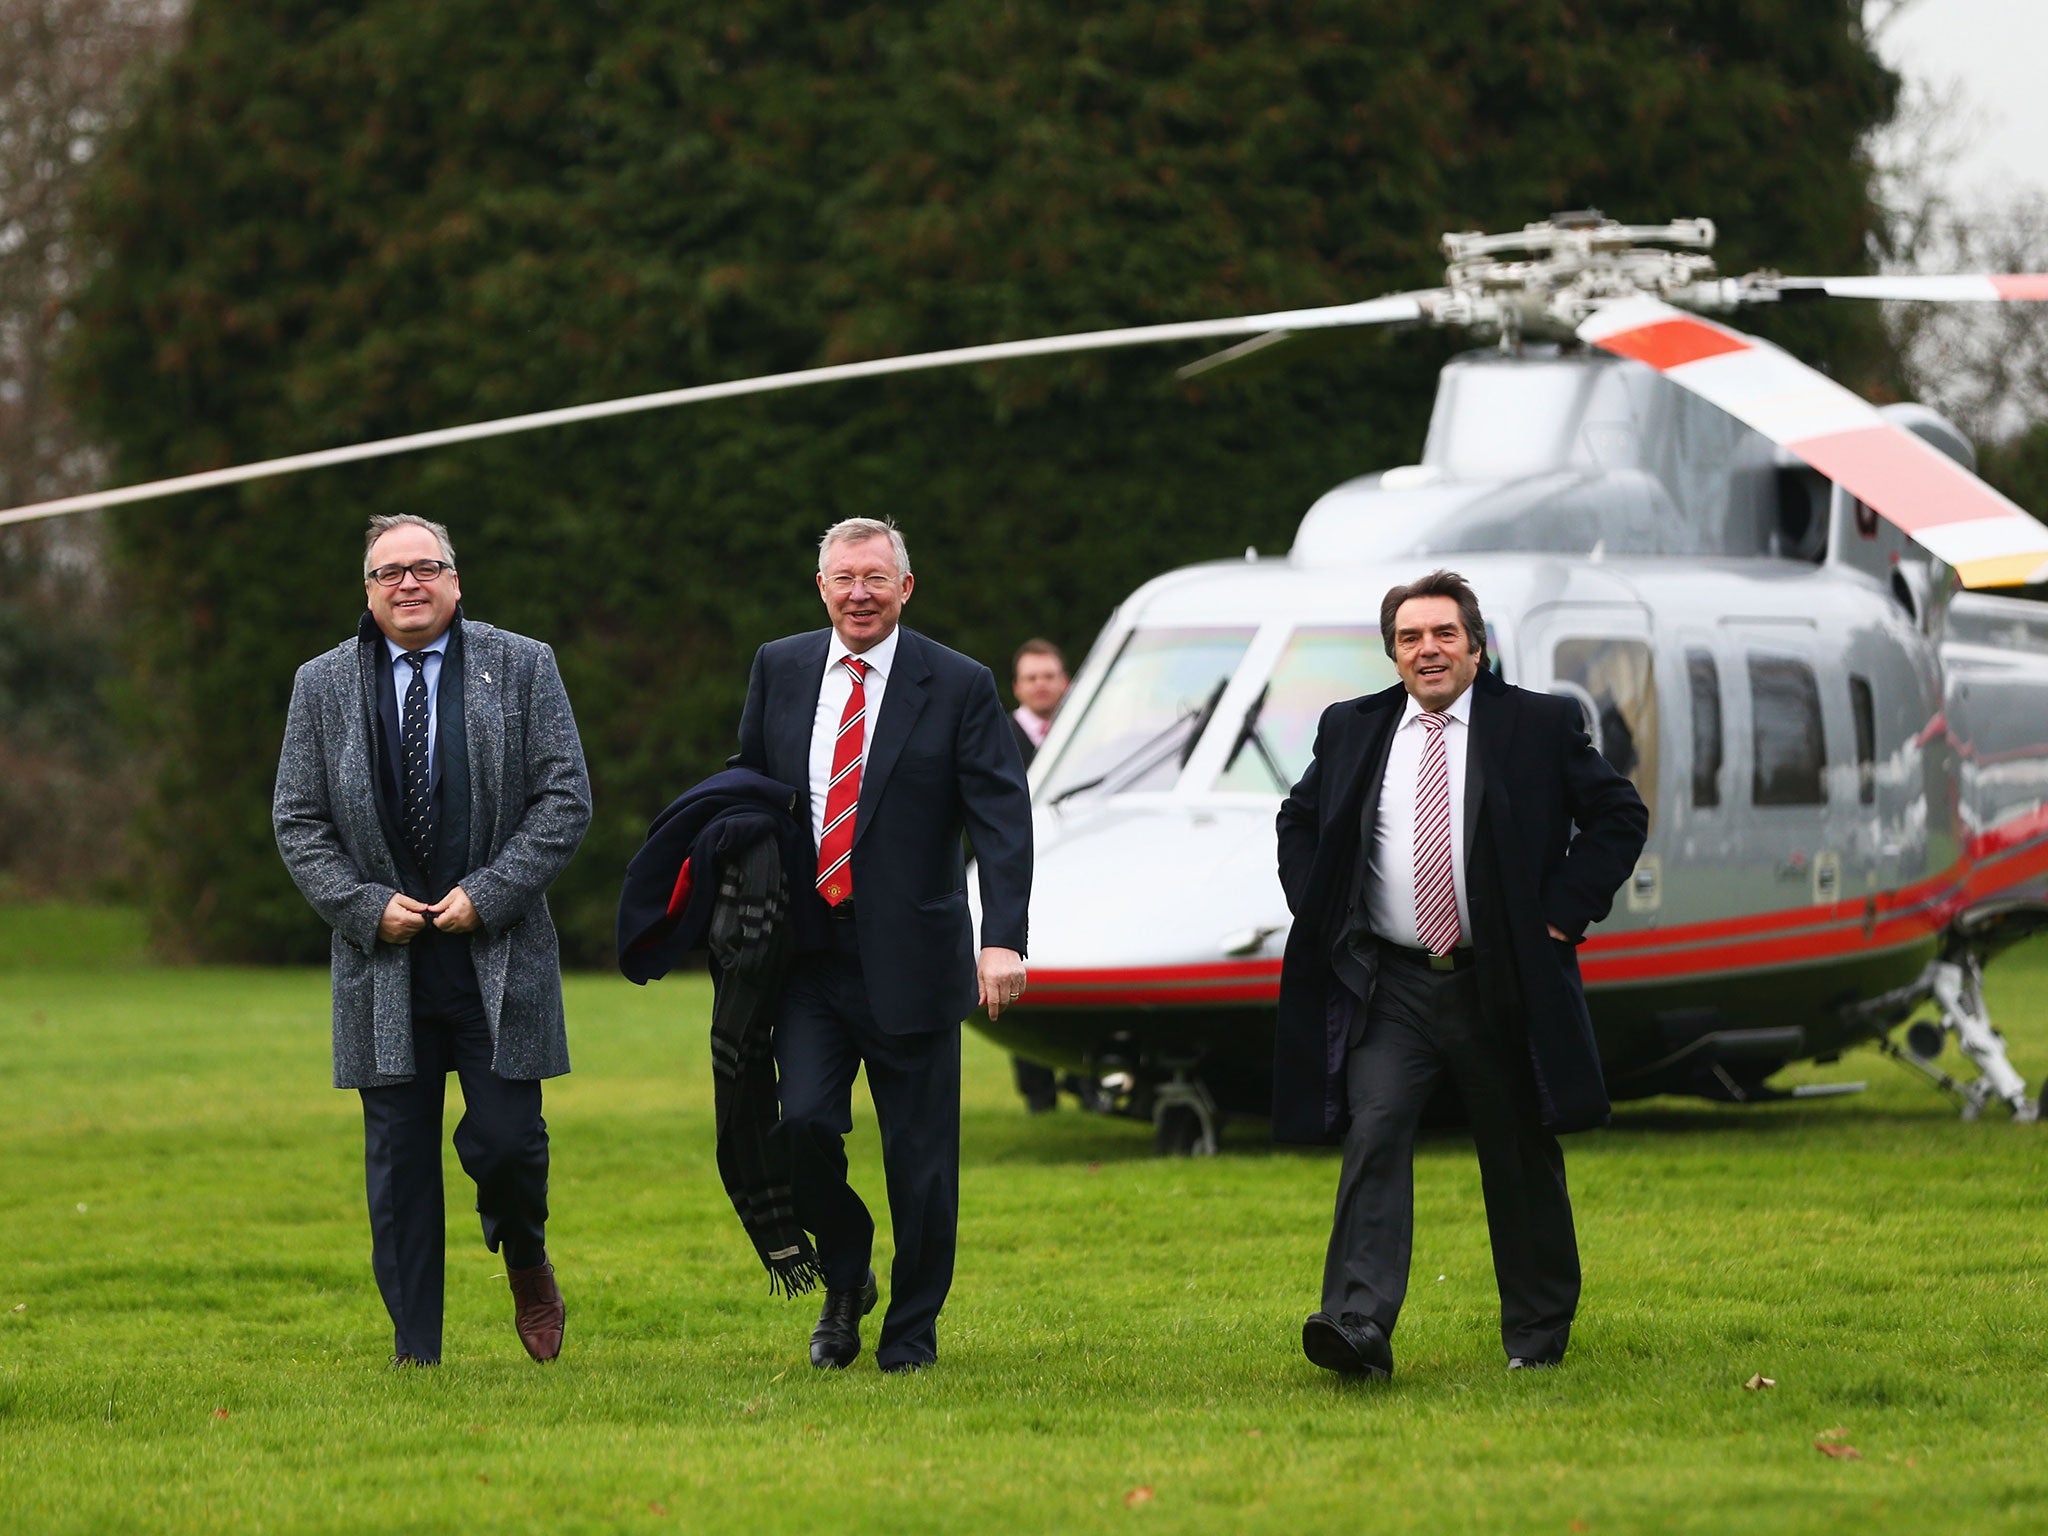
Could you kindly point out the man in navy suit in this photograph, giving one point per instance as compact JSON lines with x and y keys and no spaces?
{"x":904,"y":746}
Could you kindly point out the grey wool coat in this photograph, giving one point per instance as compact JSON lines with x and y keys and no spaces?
{"x":529,"y":802}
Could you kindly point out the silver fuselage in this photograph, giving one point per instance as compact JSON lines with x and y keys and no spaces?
{"x":1845,"y":759}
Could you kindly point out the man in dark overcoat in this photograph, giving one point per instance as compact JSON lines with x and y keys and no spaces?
{"x":1444,"y":853}
{"x":903,"y":746}
{"x":430,"y":789}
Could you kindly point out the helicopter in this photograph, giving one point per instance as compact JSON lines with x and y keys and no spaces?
{"x":1761,"y":590}
{"x":1732,"y":571}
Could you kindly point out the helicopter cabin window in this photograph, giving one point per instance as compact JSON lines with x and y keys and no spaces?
{"x":1791,"y":752}
{"x":1272,"y":744}
{"x":1615,"y":687}
{"x":1863,"y":710}
{"x":1155,"y":701}
{"x":1703,"y":678}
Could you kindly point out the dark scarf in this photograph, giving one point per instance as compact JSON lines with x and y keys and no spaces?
{"x":711,"y":876}
{"x":750,"y":943}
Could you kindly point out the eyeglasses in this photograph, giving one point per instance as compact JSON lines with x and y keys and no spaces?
{"x":422,"y":571}
{"x":842,"y":584}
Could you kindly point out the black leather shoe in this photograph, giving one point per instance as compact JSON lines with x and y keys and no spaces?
{"x":835,"y":1342}
{"x":1526,"y":1363}
{"x":404,"y":1362}
{"x":904,"y":1367}
{"x":1351,"y":1345}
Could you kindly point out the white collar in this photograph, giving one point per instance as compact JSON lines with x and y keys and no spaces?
{"x":1460,"y":710}
{"x":879,"y":657}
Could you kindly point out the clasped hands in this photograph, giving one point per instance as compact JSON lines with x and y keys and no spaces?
{"x":404,"y":918}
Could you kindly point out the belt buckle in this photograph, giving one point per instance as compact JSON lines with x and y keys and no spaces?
{"x":1444,"y":962}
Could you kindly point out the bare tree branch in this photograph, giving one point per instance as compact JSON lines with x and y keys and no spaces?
{"x":1985,"y":366}
{"x":65,"y":68}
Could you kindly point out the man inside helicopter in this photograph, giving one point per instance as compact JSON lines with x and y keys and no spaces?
{"x":1444,"y":852}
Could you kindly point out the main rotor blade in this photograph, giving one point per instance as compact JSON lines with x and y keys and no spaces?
{"x":1371,"y":312}
{"x":1960,"y":288}
{"x":1950,"y":512}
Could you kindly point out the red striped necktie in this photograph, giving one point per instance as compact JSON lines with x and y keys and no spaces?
{"x":842,"y":794}
{"x":1436,"y":891}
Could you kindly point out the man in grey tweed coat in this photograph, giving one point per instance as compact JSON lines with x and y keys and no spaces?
{"x":430,"y":789}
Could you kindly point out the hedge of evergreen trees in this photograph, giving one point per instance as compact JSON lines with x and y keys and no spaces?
{"x":337,"y":221}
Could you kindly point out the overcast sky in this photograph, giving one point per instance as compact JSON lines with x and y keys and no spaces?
{"x":1998,"y":50}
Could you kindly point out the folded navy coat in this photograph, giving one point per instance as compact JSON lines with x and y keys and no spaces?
{"x":671,"y":885}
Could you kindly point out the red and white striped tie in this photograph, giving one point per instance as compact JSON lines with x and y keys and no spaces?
{"x":842,"y":794}
{"x":1436,"y":891}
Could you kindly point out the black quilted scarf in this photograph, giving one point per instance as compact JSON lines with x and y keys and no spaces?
{"x":750,"y":941}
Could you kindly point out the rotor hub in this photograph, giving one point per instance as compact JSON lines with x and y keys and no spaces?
{"x":1545,"y":279}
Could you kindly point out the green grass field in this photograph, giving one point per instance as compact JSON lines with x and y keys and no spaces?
{"x":195,"y":1342}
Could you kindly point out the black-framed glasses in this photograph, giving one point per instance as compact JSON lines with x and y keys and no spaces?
{"x":422,"y":571}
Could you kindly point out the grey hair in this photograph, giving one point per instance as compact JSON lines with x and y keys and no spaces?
{"x":858,"y":530}
{"x":381,"y":525}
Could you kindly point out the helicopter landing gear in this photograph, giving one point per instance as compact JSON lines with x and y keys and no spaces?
{"x":1959,"y":990}
{"x":1185,"y":1119}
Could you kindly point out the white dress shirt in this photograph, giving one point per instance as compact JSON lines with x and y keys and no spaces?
{"x":436,"y":652}
{"x":1034,"y":726}
{"x":1390,"y":872}
{"x":832,"y":696}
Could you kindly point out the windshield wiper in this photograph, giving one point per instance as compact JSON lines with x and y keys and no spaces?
{"x":1148,"y":755}
{"x":1249,"y":735}
{"x":1201,"y":719}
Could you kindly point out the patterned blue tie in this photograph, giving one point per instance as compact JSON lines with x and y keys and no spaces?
{"x":417,"y":817}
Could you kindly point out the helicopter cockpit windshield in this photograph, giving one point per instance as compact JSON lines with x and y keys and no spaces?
{"x":1161,"y":694}
{"x":1277,"y":733}
{"x":1160,"y":689}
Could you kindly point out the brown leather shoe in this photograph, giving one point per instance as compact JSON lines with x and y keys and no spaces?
{"x":537,"y":1310}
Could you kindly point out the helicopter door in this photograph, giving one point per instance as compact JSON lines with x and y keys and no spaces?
{"x":1779,"y":756}
{"x":1705,"y":830}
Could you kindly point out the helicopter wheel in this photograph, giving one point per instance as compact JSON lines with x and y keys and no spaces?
{"x":1179,"y":1132}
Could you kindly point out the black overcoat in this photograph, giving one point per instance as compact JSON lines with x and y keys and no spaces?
{"x":1556,"y":829}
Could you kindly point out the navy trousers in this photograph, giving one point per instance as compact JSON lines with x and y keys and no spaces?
{"x":1419,"y":1025}
{"x":503,"y":1144}
{"x":824,"y":1033}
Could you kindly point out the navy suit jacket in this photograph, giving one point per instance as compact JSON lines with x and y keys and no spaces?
{"x":941,"y":761}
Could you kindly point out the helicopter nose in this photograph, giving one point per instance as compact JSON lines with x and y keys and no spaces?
{"x":1175,"y":885}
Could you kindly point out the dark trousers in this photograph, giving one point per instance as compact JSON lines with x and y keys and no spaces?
{"x":824,"y":1033}
{"x":503,"y":1143}
{"x":1419,"y":1025}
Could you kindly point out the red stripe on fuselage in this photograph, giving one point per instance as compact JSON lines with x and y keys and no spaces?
{"x":1109,"y":976}
{"x":1144,"y":997}
{"x":2022,"y":285}
{"x":1999,"y":858}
